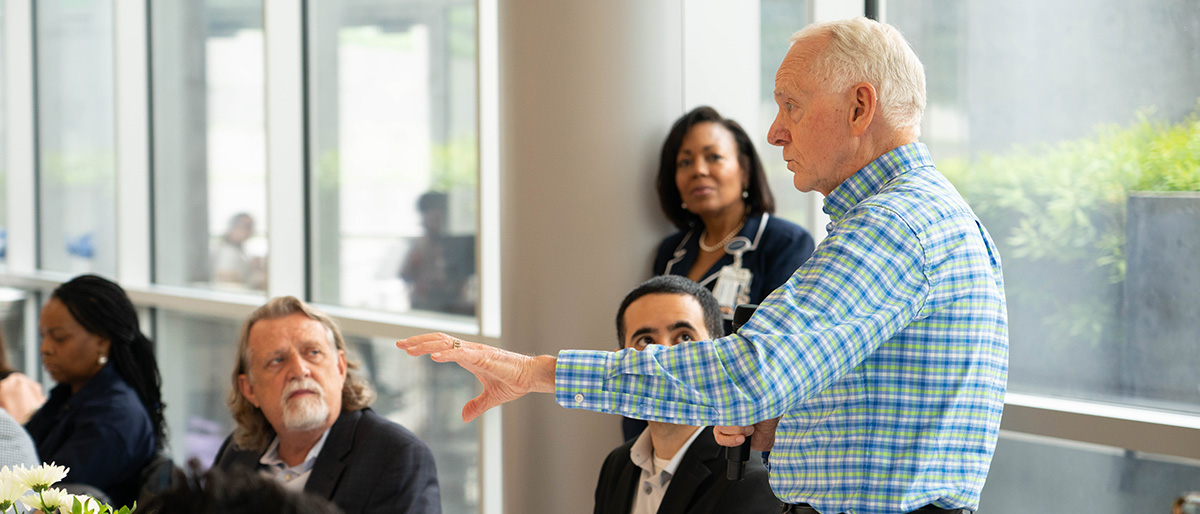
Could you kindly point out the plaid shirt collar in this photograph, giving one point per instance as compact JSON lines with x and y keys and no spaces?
{"x":872,"y":177}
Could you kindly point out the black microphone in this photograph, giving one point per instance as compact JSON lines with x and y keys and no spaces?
{"x":738,"y":455}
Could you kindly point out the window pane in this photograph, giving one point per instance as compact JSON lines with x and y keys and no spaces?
{"x":209,"y":144}
{"x":394,"y":160}
{"x":779,"y":20}
{"x":427,"y":398}
{"x":1045,"y":476}
{"x":12,"y":327}
{"x":196,"y":355}
{"x":76,"y":148}
{"x":1071,"y":129}
{"x":3,"y":147}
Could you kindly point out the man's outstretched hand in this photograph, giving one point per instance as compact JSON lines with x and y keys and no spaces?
{"x":763,"y":434}
{"x":505,"y":375}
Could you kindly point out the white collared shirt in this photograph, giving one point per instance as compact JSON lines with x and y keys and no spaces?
{"x":291,"y":477}
{"x":656,"y":473}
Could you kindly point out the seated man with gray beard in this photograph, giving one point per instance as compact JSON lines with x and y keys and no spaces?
{"x":302,"y":418}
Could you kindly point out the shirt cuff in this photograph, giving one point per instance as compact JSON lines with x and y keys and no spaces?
{"x":579,"y":379}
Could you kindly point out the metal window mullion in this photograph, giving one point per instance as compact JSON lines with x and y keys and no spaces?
{"x":1118,"y":426}
{"x":490,"y":431}
{"x":287,"y":259}
{"x":20,"y":143}
{"x":132,"y":125}
{"x":488,"y":126}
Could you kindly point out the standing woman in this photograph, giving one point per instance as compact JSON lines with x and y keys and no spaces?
{"x":712,"y":186}
{"x":104,"y":419}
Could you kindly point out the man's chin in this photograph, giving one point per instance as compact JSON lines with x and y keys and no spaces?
{"x":299,"y":417}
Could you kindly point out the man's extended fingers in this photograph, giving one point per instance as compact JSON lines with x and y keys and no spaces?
{"x":425,"y":344}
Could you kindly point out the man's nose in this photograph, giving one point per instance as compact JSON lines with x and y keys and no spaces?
{"x":298,"y":368}
{"x":777,"y":135}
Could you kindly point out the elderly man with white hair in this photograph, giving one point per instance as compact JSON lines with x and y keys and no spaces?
{"x":876,"y":374}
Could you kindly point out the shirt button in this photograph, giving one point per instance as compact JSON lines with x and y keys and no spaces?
{"x":646,"y":487}
{"x":578,"y":397}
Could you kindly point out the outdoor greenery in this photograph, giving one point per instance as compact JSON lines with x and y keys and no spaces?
{"x":1057,"y":212}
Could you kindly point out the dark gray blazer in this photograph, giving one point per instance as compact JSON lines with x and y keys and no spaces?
{"x":698,"y":487}
{"x":368,"y":465}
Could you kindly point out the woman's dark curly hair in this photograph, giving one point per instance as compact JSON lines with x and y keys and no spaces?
{"x":101,"y":307}
{"x":760,"y":199}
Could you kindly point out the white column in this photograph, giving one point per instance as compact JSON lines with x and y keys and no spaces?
{"x":132,"y":101}
{"x":19,"y":142}
{"x":283,"y":22}
{"x":588,"y":91}
{"x":826,"y":10}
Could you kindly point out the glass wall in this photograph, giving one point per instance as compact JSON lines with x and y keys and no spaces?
{"x":209,"y":144}
{"x":779,"y":20}
{"x":76,"y":148}
{"x":3,"y":154}
{"x":1071,"y":128}
{"x":12,"y":326}
{"x":427,"y":398}
{"x":1045,"y":475}
{"x":393,"y":155}
{"x":196,"y":359}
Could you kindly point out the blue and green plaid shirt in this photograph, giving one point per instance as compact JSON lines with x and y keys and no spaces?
{"x":886,"y":354}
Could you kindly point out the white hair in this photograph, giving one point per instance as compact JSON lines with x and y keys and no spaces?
{"x":864,"y":50}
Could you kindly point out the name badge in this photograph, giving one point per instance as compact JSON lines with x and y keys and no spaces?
{"x":733,"y":287}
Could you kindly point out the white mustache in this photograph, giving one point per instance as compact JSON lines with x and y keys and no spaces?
{"x":303,"y":384}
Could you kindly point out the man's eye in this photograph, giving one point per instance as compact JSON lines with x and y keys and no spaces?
{"x":644,"y":342}
{"x":683,"y":338}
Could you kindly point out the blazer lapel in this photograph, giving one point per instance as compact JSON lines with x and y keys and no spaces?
{"x":327,"y":470}
{"x":623,"y":500}
{"x":692,"y":472}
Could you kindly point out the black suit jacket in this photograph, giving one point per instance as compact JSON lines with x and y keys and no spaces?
{"x":368,"y":465}
{"x":699,"y":485}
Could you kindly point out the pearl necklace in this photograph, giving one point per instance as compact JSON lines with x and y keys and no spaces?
{"x":723,"y":242}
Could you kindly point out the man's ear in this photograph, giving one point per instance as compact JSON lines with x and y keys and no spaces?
{"x":864,"y":104}
{"x":247,"y":389}
{"x":342,"y":366}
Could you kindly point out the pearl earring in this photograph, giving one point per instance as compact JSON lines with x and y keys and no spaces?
{"x":745,"y":194}
{"x":103,"y":360}
{"x":684,"y":205}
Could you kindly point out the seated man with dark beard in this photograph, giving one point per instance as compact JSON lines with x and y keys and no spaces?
{"x":302,"y":418}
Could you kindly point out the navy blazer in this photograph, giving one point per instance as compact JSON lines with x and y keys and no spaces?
{"x":368,"y":465}
{"x":699,"y":485}
{"x":102,"y":432}
{"x":777,"y":252}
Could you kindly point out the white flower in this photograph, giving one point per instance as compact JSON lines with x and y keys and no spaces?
{"x":41,"y":477}
{"x":90,"y":505}
{"x":48,"y":501}
{"x":11,"y":490}
{"x":11,"y":487}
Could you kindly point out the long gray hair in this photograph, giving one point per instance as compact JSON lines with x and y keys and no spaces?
{"x":253,"y":432}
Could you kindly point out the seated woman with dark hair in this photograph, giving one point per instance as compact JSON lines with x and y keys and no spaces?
{"x":104,"y":419}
